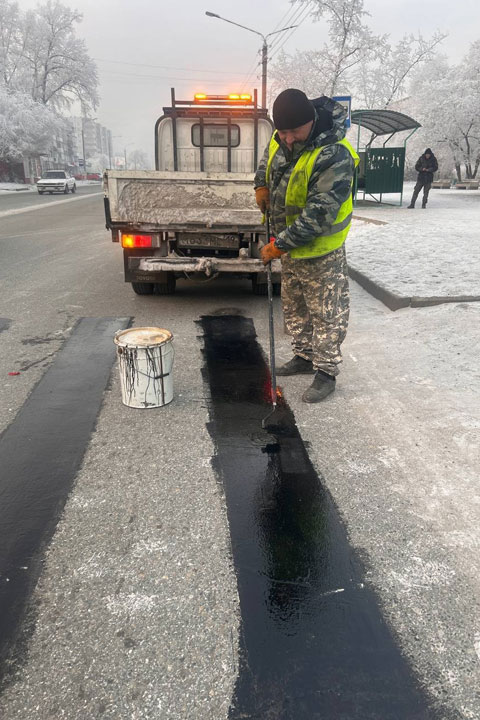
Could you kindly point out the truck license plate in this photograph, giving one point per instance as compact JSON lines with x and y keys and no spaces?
{"x":208,"y":241}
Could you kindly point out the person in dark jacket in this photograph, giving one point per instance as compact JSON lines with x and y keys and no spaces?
{"x":426,"y":165}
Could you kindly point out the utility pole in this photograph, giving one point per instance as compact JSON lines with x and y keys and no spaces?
{"x":264,"y":72}
{"x":83,"y":146}
{"x":264,"y":49}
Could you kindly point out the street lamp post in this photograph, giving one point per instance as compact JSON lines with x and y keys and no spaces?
{"x":83,"y":150}
{"x":113,"y":138}
{"x":264,"y":49}
{"x":84,"y":118}
{"x":125,"y":153}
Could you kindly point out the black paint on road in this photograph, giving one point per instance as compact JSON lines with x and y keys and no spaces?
{"x":40,"y":454}
{"x":313,"y":643}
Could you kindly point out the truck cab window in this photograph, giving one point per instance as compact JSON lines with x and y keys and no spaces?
{"x":215,"y":135}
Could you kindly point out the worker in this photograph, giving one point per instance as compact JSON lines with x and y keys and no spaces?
{"x":304,"y":181}
{"x":425,"y":166}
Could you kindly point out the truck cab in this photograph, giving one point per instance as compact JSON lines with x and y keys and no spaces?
{"x":214,"y":133}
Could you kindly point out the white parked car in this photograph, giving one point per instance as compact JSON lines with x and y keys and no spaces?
{"x":56,"y":181}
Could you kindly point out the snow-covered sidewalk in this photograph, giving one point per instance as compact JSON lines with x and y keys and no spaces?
{"x":22,"y":187}
{"x":419,"y":256}
{"x":15,"y":187}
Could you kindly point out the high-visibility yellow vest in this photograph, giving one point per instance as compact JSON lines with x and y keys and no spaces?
{"x":296,"y":200}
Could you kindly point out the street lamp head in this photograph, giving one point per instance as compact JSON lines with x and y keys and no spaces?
{"x":210,"y":14}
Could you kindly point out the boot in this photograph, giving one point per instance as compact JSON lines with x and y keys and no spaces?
{"x":297,"y":365}
{"x":411,"y":207}
{"x":424,"y":205}
{"x":321,"y":386}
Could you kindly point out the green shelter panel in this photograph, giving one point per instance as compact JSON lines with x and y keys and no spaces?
{"x":384,"y":168}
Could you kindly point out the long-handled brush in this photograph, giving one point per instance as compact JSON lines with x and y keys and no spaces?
{"x":273,"y":376}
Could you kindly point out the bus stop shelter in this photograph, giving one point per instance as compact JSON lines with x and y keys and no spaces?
{"x":381,"y":169}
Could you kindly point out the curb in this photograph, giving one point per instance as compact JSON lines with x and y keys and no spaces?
{"x":395,"y":302}
{"x":439,"y":300}
{"x":392,"y":301}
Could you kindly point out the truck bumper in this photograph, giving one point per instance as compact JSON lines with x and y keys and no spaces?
{"x":209,"y":266}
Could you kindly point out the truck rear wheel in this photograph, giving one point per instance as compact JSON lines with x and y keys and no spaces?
{"x":168,"y":287}
{"x":142,"y":288}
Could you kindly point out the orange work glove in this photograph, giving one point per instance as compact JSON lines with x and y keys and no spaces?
{"x":262,"y":196}
{"x":270,"y":252}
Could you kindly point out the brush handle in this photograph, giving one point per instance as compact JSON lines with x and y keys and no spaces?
{"x":270,"y":320}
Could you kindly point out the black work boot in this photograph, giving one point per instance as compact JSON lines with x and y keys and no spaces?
{"x":296,"y":366}
{"x":411,"y":207}
{"x":321,"y":386}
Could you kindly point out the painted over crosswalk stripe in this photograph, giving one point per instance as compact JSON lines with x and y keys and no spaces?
{"x":40,"y":454}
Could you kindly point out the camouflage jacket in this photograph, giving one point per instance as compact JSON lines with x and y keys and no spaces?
{"x":328,"y":188}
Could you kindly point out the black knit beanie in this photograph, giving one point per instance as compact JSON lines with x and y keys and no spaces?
{"x":428,"y":152}
{"x":292,"y":109}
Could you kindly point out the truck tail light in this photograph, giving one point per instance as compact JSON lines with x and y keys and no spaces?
{"x":136,"y":241}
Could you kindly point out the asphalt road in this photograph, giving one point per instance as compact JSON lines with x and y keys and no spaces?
{"x":133,"y":608}
{"x":15,"y":200}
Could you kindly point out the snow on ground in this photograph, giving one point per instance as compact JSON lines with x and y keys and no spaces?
{"x":420,"y":253}
{"x":22,"y":187}
{"x":11,"y":187}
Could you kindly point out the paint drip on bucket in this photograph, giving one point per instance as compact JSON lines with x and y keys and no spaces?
{"x":145,"y":362}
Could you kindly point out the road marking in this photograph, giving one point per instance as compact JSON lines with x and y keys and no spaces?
{"x":29,"y":208}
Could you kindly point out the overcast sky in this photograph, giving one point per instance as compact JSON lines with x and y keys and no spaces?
{"x":144,"y":47}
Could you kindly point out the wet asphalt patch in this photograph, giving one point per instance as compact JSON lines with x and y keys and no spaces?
{"x":313,"y":642}
{"x":40,"y":454}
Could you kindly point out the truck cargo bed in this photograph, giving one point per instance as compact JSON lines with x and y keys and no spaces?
{"x":183,"y":201}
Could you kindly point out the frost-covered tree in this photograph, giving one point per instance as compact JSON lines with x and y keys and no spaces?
{"x":328,"y":69}
{"x":138,"y":160}
{"x":26,"y":128}
{"x":384,"y":77}
{"x":41,"y":55}
{"x":11,"y":41}
{"x":354,"y":61}
{"x":447,"y":103}
{"x":98,"y":163}
{"x":61,"y":69}
{"x":44,"y":67}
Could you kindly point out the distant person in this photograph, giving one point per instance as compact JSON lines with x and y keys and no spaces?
{"x":426,"y":165}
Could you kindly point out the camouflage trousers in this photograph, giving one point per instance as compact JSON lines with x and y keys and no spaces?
{"x":316,"y":304}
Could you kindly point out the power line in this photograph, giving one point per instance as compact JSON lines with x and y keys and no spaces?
{"x":289,"y":35}
{"x":300,"y":15}
{"x":287,"y":19}
{"x":251,"y":72}
{"x":283,"y":20}
{"x":165,"y":77}
{"x":162,"y":67}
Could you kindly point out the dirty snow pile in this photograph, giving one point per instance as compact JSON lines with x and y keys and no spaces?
{"x":419,"y":253}
{"x":12,"y":187}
